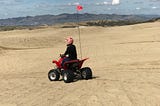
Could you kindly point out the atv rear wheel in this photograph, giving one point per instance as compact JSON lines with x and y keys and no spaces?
{"x":68,"y":76}
{"x":86,"y":73}
{"x":53,"y":75}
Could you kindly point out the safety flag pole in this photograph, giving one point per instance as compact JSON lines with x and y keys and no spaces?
{"x":79,"y":8}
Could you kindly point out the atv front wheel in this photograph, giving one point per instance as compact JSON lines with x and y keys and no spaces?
{"x":68,"y":76}
{"x":86,"y":73}
{"x":53,"y":75}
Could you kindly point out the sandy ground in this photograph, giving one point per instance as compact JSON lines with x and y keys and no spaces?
{"x":125,"y":62}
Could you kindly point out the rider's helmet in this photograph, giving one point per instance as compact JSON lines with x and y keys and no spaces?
{"x":69,"y":40}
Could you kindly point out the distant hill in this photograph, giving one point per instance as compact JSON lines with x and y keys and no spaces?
{"x":154,"y":20}
{"x":65,"y":18}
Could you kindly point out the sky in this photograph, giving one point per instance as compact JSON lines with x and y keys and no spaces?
{"x":22,"y":8}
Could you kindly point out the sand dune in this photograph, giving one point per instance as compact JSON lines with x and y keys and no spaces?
{"x":125,"y":62}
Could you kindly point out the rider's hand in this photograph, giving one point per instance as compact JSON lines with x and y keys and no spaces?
{"x":62,"y":55}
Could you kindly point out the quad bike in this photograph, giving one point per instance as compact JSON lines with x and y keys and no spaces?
{"x":69,"y":71}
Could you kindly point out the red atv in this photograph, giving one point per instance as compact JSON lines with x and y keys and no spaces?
{"x":69,"y":71}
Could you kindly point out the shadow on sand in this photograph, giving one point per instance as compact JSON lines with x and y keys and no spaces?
{"x":80,"y":78}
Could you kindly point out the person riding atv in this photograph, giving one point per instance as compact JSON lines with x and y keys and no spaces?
{"x":68,"y":66}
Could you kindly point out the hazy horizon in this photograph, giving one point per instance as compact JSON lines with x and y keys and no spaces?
{"x":21,"y":8}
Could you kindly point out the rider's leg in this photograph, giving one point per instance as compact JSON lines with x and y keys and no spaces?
{"x":65,"y":60}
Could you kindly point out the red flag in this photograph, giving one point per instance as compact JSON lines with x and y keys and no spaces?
{"x":79,"y":7}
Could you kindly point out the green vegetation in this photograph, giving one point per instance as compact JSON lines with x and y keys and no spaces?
{"x":9,"y":28}
{"x":112,"y":23}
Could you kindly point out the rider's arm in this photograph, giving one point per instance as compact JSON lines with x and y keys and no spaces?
{"x":67,"y":51}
